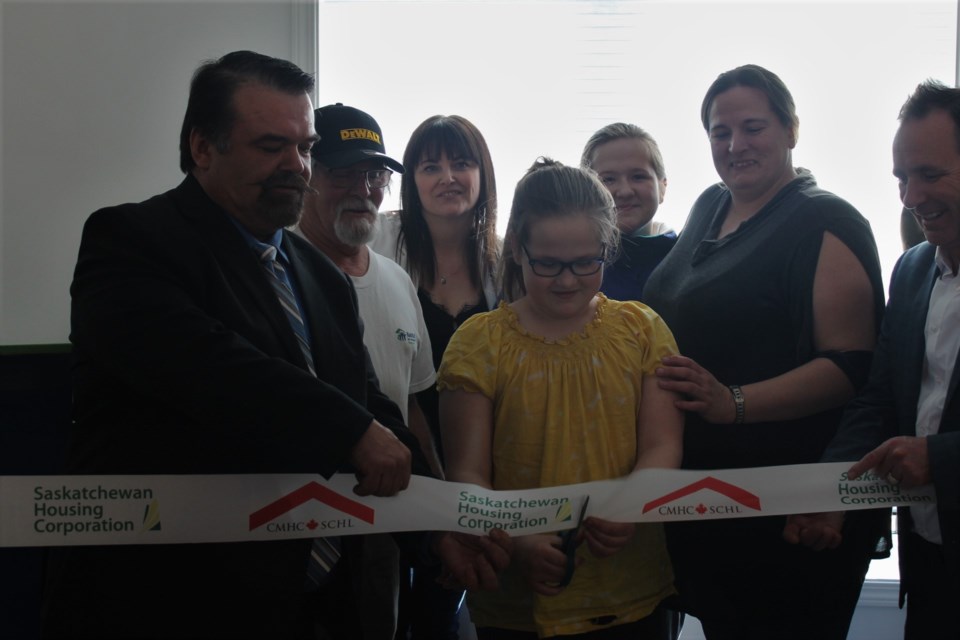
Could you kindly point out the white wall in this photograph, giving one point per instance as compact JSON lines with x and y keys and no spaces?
{"x":93,"y":95}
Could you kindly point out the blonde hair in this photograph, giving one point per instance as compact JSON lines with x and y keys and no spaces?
{"x":617,"y":131}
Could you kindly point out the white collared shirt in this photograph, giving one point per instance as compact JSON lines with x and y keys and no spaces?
{"x":942,"y":337}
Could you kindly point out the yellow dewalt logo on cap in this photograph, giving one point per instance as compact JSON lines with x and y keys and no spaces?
{"x":365,"y":134}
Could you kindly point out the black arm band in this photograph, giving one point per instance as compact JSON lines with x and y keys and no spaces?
{"x":854,"y":364}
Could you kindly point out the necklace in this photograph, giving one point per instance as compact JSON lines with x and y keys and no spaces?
{"x":443,"y":278}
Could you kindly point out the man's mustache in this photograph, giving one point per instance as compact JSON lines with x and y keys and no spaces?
{"x":355,"y":203}
{"x":288,"y":181}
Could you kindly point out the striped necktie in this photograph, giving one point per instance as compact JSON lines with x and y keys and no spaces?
{"x":281,"y":285}
{"x":324,"y":552}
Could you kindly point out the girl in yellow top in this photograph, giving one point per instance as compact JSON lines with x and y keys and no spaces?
{"x":546,"y":390}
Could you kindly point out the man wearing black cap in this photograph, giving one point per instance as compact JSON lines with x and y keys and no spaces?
{"x":350,"y":173}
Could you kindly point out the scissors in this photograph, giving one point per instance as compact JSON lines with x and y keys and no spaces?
{"x":568,"y":545}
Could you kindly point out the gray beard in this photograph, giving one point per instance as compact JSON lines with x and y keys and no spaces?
{"x":354,"y":231}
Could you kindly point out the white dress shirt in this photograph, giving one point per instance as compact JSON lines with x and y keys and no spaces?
{"x":942,"y":334}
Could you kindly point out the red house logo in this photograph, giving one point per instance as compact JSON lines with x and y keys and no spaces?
{"x":311,"y":491}
{"x":731,"y":491}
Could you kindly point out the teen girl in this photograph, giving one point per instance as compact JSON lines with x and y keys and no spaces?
{"x":556,"y":387}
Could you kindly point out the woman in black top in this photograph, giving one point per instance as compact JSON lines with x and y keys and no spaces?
{"x":445,"y":237}
{"x":773,"y":292}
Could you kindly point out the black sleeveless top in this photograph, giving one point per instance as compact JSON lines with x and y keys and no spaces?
{"x":440,"y":327}
{"x":742,"y":307}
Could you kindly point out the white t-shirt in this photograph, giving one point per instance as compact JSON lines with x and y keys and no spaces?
{"x":394,"y":331}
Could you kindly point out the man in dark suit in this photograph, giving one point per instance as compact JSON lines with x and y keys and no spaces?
{"x":188,"y":362}
{"x":905,"y":425}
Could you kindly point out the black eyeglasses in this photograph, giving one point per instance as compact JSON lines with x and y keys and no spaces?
{"x":346,"y":178}
{"x":553,"y":268}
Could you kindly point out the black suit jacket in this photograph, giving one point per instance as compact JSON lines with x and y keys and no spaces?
{"x":186,"y":363}
{"x":887,"y":407}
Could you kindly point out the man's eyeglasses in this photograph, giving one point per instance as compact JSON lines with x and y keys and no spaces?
{"x":347,"y":178}
{"x":553,"y":268}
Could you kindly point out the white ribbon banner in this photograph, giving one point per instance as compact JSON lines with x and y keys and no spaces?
{"x":37,"y":511}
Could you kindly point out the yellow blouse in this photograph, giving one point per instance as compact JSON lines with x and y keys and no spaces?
{"x":565,"y":412}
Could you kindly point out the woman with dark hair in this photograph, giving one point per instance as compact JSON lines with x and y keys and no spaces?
{"x":444,"y":235}
{"x":774,"y":294}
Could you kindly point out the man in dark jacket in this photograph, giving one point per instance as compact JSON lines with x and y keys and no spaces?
{"x":209,"y":340}
{"x":905,"y":425}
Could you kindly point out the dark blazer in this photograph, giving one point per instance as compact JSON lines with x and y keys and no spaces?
{"x":185,"y":363}
{"x":887,"y":407}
